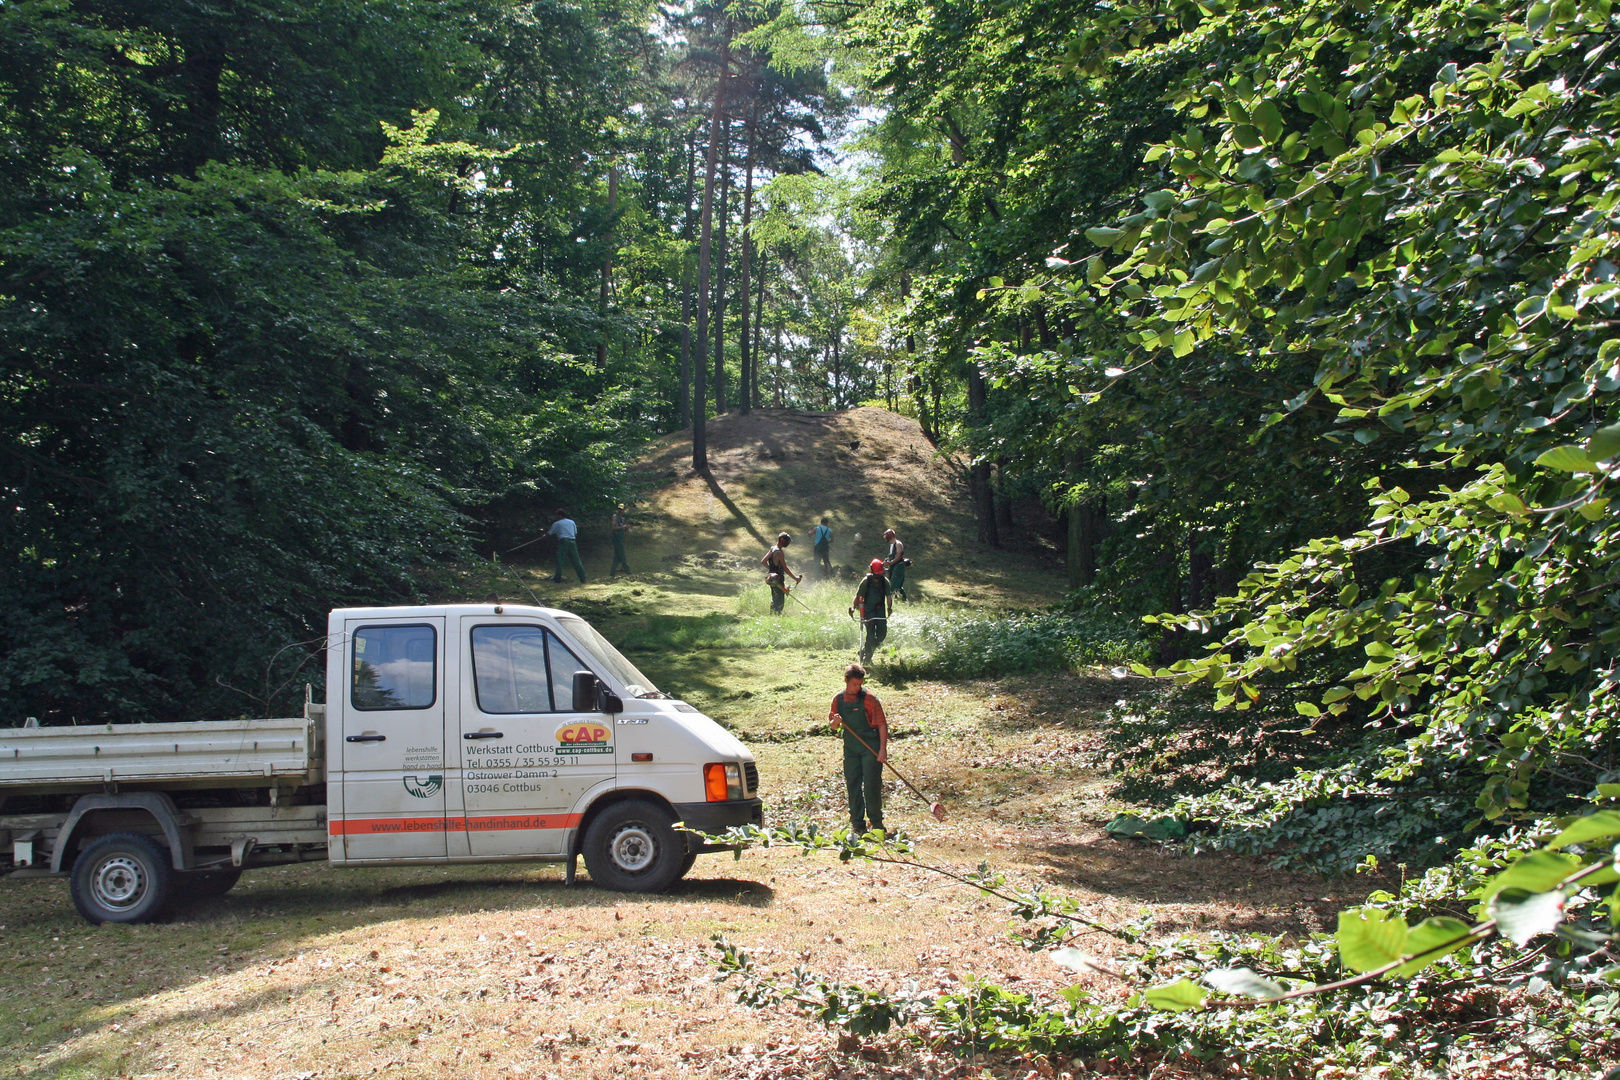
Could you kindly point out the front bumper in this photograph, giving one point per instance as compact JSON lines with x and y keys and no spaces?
{"x":717,"y":817}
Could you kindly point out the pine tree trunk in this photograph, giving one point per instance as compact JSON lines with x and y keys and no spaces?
{"x":745,"y":372}
{"x":719,"y":300}
{"x":683,"y":396}
{"x":607,"y":268}
{"x":700,"y":443}
{"x":759,"y":332}
{"x":776,"y":365}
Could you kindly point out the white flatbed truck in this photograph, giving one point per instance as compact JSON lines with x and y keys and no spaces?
{"x":452,"y":734}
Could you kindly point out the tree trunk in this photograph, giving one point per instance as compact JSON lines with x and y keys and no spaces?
{"x":607,"y":267}
{"x":683,"y":397}
{"x":1083,"y":526}
{"x":1004,"y":521}
{"x":745,"y":372}
{"x":201,"y":72}
{"x":759,"y":332}
{"x":719,"y":300}
{"x":979,"y":482}
{"x":776,"y":364}
{"x":838,"y":384}
{"x":1200,"y":572}
{"x":700,"y":443}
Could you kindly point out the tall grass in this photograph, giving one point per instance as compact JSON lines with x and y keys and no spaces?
{"x":968,"y":646}
{"x":933,"y":641}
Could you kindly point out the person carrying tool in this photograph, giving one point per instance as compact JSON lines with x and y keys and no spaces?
{"x":896,"y":562}
{"x":567,"y":534}
{"x":875,"y":602}
{"x":822,"y":539}
{"x":859,"y":716}
{"x":621,"y":525}
{"x":777,"y":572}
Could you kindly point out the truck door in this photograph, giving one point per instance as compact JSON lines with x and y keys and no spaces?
{"x":391,"y":759}
{"x":526,"y":756}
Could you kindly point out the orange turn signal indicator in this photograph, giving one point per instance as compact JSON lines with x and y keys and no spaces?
{"x":641,"y":757}
{"x":714,"y":782}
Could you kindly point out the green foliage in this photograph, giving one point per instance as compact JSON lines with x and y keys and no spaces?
{"x":1378,"y":993}
{"x":1434,"y":234}
{"x":290,"y":294}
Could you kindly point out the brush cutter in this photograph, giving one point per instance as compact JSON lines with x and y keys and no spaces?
{"x":937,"y":809}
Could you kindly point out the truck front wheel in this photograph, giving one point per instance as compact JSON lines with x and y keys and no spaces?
{"x":122,"y":878}
{"x":632,"y":847}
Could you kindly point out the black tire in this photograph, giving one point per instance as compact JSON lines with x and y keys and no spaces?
{"x":686,"y":864}
{"x":122,"y":878}
{"x":210,"y":883}
{"x":633,"y":847}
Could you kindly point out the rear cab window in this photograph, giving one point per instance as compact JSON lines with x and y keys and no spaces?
{"x":395,"y":667}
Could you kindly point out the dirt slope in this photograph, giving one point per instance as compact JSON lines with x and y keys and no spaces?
{"x":866,"y":469}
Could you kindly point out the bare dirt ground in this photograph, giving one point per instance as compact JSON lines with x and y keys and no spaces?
{"x":500,"y":971}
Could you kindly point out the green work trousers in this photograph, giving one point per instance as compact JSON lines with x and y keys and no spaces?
{"x":863,"y":780}
{"x":618,"y":554}
{"x":568,"y":555}
{"x":897,"y":580}
{"x":876,"y":631}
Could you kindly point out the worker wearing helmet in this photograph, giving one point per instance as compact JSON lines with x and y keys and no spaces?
{"x":875,"y":603}
{"x":896,"y":562}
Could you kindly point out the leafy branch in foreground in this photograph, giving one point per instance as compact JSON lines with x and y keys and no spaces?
{"x":1335,"y":986}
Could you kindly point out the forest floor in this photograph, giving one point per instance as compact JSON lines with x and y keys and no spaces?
{"x":503,"y":971}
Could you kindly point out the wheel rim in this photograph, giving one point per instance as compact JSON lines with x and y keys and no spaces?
{"x":632,"y":848}
{"x":119,"y":882}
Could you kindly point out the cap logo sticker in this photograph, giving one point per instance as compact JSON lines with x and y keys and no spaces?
{"x":586,"y":738}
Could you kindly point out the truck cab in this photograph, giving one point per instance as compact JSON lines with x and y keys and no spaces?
{"x":472,"y":733}
{"x":450,"y":734}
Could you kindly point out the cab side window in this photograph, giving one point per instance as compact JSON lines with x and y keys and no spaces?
{"x":563,"y":665}
{"x":395,"y":667}
{"x":516,"y":669}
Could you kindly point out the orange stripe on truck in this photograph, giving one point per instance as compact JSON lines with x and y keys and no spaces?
{"x":492,"y":823}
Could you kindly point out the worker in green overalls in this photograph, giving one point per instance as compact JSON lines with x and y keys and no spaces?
{"x":875,"y":603}
{"x":567,"y":534}
{"x":866,"y":747}
{"x":897,"y":563}
{"x":621,"y":525}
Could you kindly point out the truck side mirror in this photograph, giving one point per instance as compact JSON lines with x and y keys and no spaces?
{"x":591,"y":695}
{"x":585,"y":685}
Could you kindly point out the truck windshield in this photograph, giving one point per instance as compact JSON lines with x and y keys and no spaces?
{"x":635,"y":683}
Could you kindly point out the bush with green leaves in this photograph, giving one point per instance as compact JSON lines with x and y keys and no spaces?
{"x":1435,"y":979}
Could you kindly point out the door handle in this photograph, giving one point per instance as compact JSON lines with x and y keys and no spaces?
{"x":485,"y":735}
{"x":365,"y":738}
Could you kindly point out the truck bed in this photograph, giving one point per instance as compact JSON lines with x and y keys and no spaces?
{"x":233,"y":753}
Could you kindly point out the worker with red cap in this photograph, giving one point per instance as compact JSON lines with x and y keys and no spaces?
{"x":875,"y":602}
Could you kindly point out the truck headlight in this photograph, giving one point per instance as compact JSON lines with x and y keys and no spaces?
{"x":722,"y":781}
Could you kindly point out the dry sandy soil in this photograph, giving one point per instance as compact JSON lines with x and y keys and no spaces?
{"x":501,"y":971}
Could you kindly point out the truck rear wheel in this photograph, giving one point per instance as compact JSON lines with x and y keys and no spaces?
{"x":632,"y":847}
{"x":122,"y":878}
